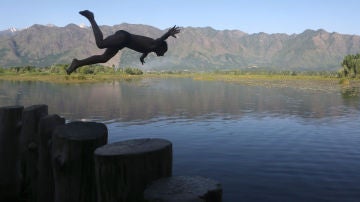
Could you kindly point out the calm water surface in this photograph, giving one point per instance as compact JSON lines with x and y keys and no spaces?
{"x":262,"y":144}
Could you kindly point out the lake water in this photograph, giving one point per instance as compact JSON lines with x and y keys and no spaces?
{"x":262,"y":144}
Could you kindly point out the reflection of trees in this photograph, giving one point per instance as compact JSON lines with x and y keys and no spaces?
{"x":351,"y":96}
{"x":350,"y":93}
{"x":147,"y":99}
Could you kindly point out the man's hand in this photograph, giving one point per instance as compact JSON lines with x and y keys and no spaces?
{"x":174,"y":30}
{"x":171,"y":32}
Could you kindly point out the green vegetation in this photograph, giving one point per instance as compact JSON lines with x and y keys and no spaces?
{"x":61,"y":69}
{"x":133,"y":71}
{"x":265,"y":72}
{"x":57,"y":73}
{"x":350,"y":66}
{"x":58,"y":69}
{"x":251,"y":76}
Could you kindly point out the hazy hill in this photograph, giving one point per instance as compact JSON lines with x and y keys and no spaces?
{"x":195,"y":48}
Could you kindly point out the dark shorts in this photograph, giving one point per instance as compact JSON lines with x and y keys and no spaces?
{"x":118,"y":40}
{"x":123,"y":36}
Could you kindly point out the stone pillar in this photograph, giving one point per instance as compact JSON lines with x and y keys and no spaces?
{"x":10,"y":127}
{"x":184,"y":189}
{"x":73,"y":160}
{"x":45,"y":178}
{"x":124,"y":169}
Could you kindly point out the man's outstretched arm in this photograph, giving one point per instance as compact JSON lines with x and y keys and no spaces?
{"x":172,"y":32}
{"x":143,"y":56}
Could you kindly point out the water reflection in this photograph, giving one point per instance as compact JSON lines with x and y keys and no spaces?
{"x":263,"y":144}
{"x":350,"y":93}
{"x":151,"y":98}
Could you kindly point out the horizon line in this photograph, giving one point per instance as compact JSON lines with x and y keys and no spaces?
{"x":82,"y":25}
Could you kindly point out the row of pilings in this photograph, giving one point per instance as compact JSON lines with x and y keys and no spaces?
{"x":45,"y":159}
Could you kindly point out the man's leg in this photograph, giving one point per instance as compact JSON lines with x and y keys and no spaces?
{"x":107,"y":55}
{"x":99,"y":38}
{"x":116,"y":40}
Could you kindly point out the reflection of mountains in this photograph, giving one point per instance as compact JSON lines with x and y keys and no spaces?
{"x":147,"y":99}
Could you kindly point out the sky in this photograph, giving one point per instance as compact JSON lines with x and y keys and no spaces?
{"x":250,"y":16}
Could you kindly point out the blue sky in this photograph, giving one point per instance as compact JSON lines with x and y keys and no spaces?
{"x":251,"y":16}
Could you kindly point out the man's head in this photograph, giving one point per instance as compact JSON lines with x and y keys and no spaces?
{"x":161,"y":49}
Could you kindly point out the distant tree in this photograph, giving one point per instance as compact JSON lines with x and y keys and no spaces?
{"x":133,"y":71}
{"x":57,"y":68}
{"x":89,"y":69}
{"x":351,"y":65}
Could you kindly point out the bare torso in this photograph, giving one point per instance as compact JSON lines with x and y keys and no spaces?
{"x":141,"y":44}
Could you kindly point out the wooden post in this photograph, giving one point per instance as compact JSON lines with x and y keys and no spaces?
{"x":29,"y":151}
{"x":184,"y":189}
{"x":124,"y":169}
{"x":73,"y":160}
{"x":10,"y":126}
{"x":46,"y":180}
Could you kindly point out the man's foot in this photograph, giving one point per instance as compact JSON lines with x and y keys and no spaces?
{"x":72,"y":67}
{"x":88,"y":14}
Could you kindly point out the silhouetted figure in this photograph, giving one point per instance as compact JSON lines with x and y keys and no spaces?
{"x":120,"y":40}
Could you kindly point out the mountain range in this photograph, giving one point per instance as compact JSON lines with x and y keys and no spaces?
{"x":196,"y":48}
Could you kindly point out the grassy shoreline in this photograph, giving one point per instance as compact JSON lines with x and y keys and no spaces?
{"x":300,"y":82}
{"x":306,"y":82}
{"x":62,"y":78}
{"x":46,"y":77}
